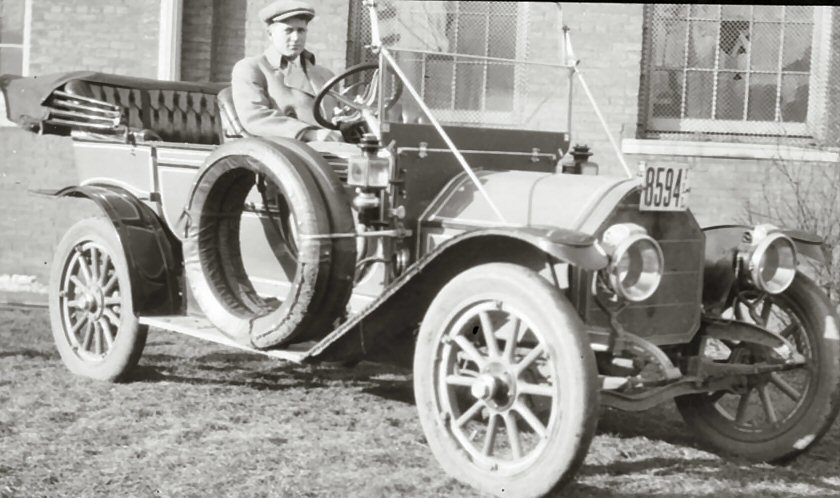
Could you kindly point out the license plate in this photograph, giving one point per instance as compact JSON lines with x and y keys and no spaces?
{"x":664,"y":188}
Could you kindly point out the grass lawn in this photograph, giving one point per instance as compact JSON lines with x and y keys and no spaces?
{"x":201,"y":420}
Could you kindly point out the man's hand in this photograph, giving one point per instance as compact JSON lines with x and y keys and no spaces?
{"x":321,"y":135}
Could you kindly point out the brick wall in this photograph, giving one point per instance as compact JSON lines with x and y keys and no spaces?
{"x":722,"y":189}
{"x":116,"y":36}
{"x":607,"y":39}
{"x":30,"y":225}
{"x":217,"y":33}
{"x":197,"y":40}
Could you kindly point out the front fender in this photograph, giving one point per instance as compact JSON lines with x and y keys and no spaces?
{"x":721,"y":250}
{"x":382,"y":330}
{"x":568,"y":246}
{"x":152,"y":254}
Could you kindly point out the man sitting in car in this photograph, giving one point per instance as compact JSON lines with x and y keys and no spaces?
{"x":273,"y":93}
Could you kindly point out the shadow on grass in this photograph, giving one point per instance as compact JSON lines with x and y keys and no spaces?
{"x":652,"y":424}
{"x":30,"y":353}
{"x":400,"y":391}
{"x":248,"y":370}
{"x":664,"y":424}
{"x":698,"y":468}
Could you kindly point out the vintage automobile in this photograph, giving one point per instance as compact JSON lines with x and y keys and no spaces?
{"x":524,"y":294}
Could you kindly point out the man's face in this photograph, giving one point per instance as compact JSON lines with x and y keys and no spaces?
{"x":289,"y":36}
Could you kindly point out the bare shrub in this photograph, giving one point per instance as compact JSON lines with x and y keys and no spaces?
{"x":805,"y":197}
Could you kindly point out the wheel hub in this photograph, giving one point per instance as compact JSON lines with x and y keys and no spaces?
{"x":86,"y":301}
{"x":93,"y":302}
{"x":485,"y":387}
{"x":495,"y":386}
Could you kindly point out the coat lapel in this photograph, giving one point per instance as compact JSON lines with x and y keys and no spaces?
{"x":292,"y":75}
{"x":295,"y":77}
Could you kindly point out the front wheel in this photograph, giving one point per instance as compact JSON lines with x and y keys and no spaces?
{"x":776,"y":416}
{"x":505,"y":382}
{"x":93,"y":322}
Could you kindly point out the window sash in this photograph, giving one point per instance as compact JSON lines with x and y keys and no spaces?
{"x":816,"y":81}
{"x":451,"y":114}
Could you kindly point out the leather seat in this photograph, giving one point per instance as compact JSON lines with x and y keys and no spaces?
{"x":231,"y":125}
{"x":173,"y":115}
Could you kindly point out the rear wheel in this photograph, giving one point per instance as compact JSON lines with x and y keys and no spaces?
{"x":505,"y":382}
{"x":93,"y":322}
{"x":774,"y":417}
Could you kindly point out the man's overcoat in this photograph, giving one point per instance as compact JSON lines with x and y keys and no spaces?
{"x":274,"y":98}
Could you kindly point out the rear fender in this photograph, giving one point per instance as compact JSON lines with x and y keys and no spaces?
{"x":384,"y":330}
{"x":153,"y":254}
{"x":722,"y":246}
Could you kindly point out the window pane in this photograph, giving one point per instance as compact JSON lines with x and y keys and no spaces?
{"x":670,"y":10}
{"x":11,"y":60}
{"x":762,"y":100}
{"x":735,"y":12}
{"x":698,"y":94}
{"x":499,"y":89}
{"x":502,"y":37}
{"x":796,"y":54}
{"x":666,"y":94}
{"x":705,"y":11}
{"x":669,"y":44}
{"x":469,"y":80}
{"x":767,"y":12}
{"x":734,"y":44}
{"x":798,"y":13}
{"x":11,"y":21}
{"x":794,"y":103}
{"x":472,"y":34}
{"x":766,"y":40}
{"x":702,"y":44}
{"x":730,"y":96}
{"x":439,"y":82}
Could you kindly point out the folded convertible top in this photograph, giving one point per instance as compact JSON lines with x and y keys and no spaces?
{"x":25,"y":96}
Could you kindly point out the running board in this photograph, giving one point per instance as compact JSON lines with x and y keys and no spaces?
{"x":201,"y":328}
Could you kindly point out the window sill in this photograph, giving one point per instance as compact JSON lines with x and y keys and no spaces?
{"x":727,"y":150}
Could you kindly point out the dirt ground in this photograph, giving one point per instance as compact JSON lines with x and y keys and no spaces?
{"x":202,"y":420}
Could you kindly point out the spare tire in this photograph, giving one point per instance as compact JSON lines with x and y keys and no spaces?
{"x":343,"y":251}
{"x":322,"y":280}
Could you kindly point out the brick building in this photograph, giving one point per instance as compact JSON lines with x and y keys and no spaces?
{"x":731,"y":91}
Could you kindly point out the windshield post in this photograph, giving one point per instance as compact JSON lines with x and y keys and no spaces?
{"x":375,"y":36}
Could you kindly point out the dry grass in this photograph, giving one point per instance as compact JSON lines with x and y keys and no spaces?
{"x":202,"y":420}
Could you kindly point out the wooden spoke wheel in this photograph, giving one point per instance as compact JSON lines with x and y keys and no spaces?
{"x":774,"y":416}
{"x":92,"y":318}
{"x":505,"y":382}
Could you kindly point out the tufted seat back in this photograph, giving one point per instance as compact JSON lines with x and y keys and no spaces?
{"x":175,"y":115}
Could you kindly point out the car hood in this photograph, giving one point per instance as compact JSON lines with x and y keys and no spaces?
{"x":525,"y":198}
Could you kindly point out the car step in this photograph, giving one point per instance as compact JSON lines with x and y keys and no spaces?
{"x":199,"y":327}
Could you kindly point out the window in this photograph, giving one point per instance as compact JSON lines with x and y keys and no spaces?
{"x":13,"y":36}
{"x":14,"y":16}
{"x":459,"y":89}
{"x":734,"y":69}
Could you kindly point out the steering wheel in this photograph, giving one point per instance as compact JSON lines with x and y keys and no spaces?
{"x":357,"y":101}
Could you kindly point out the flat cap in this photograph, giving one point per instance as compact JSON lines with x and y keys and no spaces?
{"x":284,"y":9}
